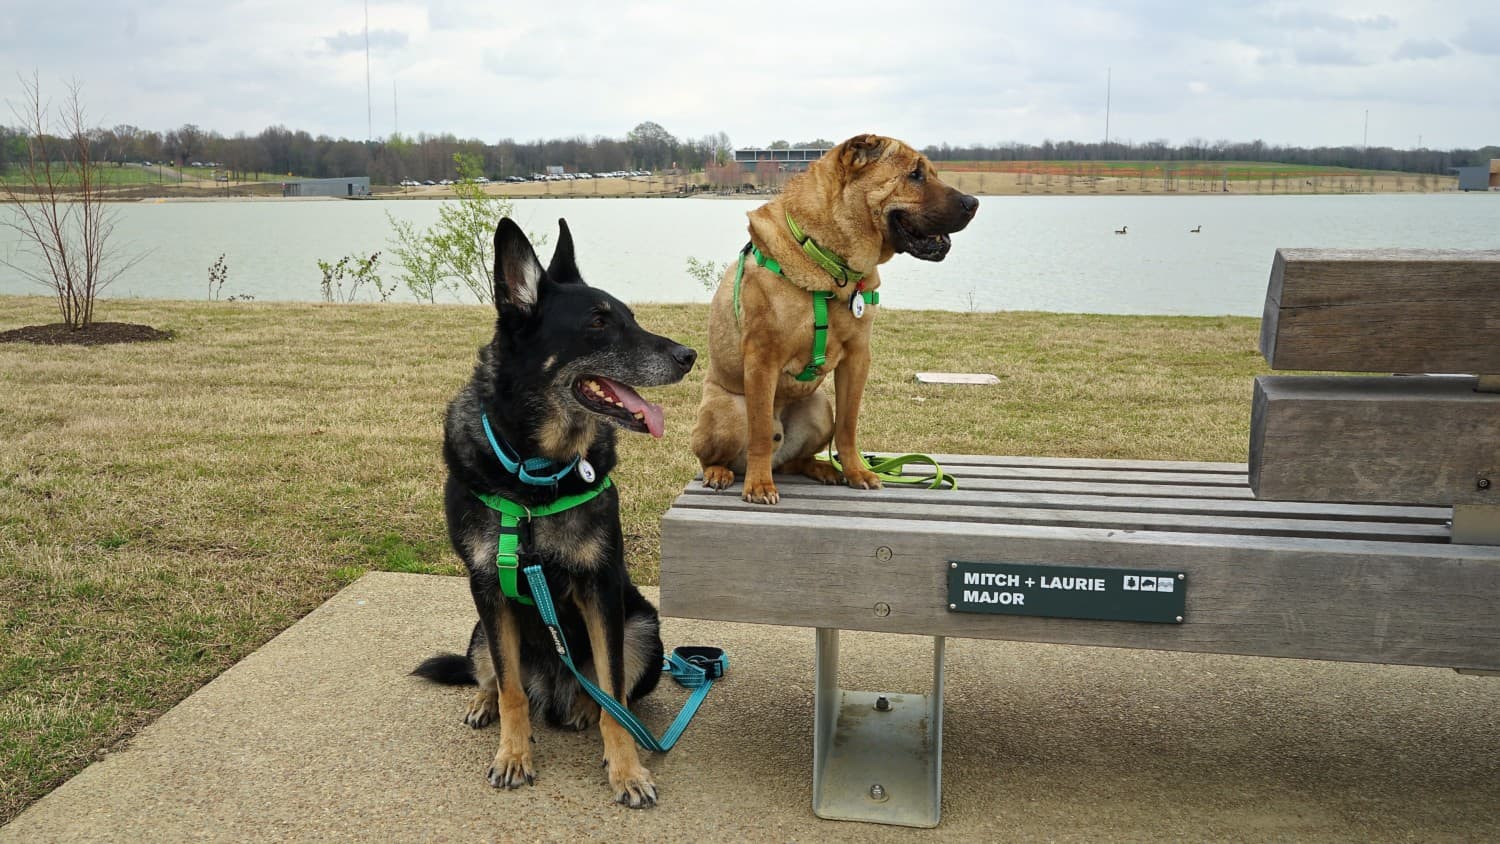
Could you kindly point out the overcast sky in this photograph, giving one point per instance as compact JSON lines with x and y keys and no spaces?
{"x":928,"y":72}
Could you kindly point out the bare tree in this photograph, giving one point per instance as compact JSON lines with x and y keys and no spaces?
{"x":56,"y":206}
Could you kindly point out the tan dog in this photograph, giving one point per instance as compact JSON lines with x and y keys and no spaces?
{"x":862,"y":202}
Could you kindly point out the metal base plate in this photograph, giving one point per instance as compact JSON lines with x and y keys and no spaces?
{"x":873,"y":762}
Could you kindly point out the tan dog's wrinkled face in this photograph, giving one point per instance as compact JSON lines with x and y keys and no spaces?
{"x":914,"y":209}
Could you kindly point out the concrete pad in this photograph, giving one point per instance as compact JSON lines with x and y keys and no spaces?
{"x":322,"y":735}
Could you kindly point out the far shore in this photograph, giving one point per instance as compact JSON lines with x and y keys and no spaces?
{"x":978,"y":183}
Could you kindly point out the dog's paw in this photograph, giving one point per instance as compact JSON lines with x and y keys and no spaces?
{"x":821,"y":471}
{"x":511,"y":770}
{"x":584,"y":714}
{"x":631,"y":784}
{"x":483,"y":709}
{"x":718,"y":477}
{"x":761,"y":492}
{"x":861,"y":478}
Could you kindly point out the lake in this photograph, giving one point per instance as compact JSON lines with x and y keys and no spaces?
{"x":1043,"y":253}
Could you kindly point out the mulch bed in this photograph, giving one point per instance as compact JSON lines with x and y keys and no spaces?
{"x":97,"y":334}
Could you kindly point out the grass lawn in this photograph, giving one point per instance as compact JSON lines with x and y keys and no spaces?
{"x":166,"y":508}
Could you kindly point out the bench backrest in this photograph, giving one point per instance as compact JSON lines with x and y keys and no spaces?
{"x":1411,"y":439}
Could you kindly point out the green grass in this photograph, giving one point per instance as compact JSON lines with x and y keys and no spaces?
{"x":166,"y":508}
{"x":132,"y":175}
{"x":109,"y":176}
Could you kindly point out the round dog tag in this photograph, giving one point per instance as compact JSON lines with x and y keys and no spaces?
{"x":857,"y":304}
{"x":585,"y":470}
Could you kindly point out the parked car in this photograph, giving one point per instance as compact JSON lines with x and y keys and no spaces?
{"x":428,"y":182}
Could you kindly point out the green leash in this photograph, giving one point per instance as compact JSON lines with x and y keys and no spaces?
{"x":888,"y":469}
{"x":507,"y":557}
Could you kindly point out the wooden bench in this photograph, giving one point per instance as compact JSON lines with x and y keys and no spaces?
{"x":1365,"y":528}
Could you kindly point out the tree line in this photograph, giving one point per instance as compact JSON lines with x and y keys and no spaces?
{"x":1198,"y":149}
{"x":280,"y":150}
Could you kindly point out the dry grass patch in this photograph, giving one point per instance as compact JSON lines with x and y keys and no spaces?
{"x":165,"y":508}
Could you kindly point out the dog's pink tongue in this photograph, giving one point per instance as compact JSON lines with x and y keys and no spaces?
{"x":631,"y":401}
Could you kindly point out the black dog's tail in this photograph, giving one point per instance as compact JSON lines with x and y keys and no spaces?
{"x":447,"y":670}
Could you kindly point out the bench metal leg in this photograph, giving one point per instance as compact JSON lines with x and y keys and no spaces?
{"x":877,"y":756}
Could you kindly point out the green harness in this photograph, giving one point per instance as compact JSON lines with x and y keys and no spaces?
{"x":507,"y":553}
{"x":831,"y":264}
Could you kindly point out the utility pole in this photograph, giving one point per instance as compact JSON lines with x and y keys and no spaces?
{"x":395,"y":111}
{"x":369,"y":113}
{"x":1367,"y":129}
{"x":1108,"y":85}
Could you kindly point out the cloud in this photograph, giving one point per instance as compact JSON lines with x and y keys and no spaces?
{"x":353,"y":42}
{"x":1325,"y":22}
{"x":1411,"y":49}
{"x":1479,"y":37}
{"x":1335,"y":55}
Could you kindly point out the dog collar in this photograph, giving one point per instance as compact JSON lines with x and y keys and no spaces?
{"x":528,"y":469}
{"x":508,"y":547}
{"x":831,"y":263}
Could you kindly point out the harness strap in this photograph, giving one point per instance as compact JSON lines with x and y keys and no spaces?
{"x":698,"y":666}
{"x":508,"y":549}
{"x":820,"y":306}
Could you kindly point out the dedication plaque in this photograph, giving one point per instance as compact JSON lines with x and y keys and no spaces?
{"x":1103,"y":594}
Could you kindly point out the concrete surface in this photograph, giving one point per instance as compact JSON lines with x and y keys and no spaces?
{"x":322,"y":735}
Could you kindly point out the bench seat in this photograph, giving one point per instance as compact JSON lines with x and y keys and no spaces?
{"x":1348,"y":582}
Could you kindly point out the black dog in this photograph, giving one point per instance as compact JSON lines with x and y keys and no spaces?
{"x":549,"y":385}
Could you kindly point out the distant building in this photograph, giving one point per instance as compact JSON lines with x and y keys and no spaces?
{"x":1479,"y":177}
{"x":788,"y":160}
{"x":346,"y":186}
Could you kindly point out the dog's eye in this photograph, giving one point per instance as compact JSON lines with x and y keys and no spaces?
{"x":597,"y":322}
{"x":919,"y":173}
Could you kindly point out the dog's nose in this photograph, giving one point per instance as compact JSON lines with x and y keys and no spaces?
{"x":684,"y":357}
{"x":970,"y":204}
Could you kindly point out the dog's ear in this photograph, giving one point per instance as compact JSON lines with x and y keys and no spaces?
{"x":564,"y":267}
{"x":861,"y":150}
{"x":518,"y":273}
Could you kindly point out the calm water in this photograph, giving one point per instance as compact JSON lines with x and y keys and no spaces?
{"x":1052,"y":253}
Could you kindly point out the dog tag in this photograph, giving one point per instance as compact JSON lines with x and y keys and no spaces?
{"x":585,"y":470}
{"x":857,"y":304}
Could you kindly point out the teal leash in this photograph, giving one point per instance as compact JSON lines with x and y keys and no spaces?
{"x":695,"y":668}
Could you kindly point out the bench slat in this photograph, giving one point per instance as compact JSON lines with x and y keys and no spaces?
{"x":1351,"y":600}
{"x":1125,"y":520}
{"x":1425,"y":440}
{"x":985,"y":460}
{"x":1383,"y":310}
{"x":836,"y":497}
